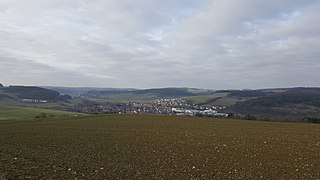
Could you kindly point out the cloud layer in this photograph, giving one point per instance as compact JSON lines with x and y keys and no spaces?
{"x":120,"y":43}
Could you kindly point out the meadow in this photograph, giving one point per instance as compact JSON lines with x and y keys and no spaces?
{"x":21,"y":113}
{"x":157,"y":147}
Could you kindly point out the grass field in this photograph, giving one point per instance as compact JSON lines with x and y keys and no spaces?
{"x":216,"y":99}
{"x":15,"y":112}
{"x":203,"y":99}
{"x":157,"y":147}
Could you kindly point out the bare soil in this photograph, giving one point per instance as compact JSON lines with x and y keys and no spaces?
{"x":158,"y":147}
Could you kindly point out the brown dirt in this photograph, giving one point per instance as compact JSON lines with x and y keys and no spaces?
{"x":158,"y":147}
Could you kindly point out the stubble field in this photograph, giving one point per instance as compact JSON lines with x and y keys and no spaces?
{"x":157,"y":147}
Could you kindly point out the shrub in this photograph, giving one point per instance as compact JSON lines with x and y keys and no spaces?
{"x":250,"y":117}
{"x":42,"y":115}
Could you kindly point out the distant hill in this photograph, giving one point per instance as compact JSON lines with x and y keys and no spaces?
{"x":79,"y":91}
{"x":226,"y":97}
{"x":146,"y":94}
{"x":33,"y":92}
{"x":30,"y":92}
{"x":292,"y":103}
{"x":248,"y":93}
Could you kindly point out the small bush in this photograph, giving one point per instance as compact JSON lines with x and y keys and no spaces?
{"x":312,"y":120}
{"x":42,"y":115}
{"x":250,"y":117}
{"x":199,"y":115}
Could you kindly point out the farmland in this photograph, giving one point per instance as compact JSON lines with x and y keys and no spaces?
{"x":19,"y":113}
{"x":157,"y":147}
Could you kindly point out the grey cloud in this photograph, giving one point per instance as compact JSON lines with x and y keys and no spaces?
{"x":209,"y":44}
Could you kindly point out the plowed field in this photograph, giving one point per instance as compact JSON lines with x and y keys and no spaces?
{"x":157,"y":147}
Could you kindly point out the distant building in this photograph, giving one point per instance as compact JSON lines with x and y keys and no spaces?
{"x":209,"y":112}
{"x":34,"y":101}
{"x":221,"y":114}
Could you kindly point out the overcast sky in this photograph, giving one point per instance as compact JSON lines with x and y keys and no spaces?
{"x":216,"y":44}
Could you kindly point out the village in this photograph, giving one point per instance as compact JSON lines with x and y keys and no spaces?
{"x":169,"y":106}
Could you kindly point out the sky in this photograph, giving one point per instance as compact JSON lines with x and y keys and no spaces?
{"x":213,"y":44}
